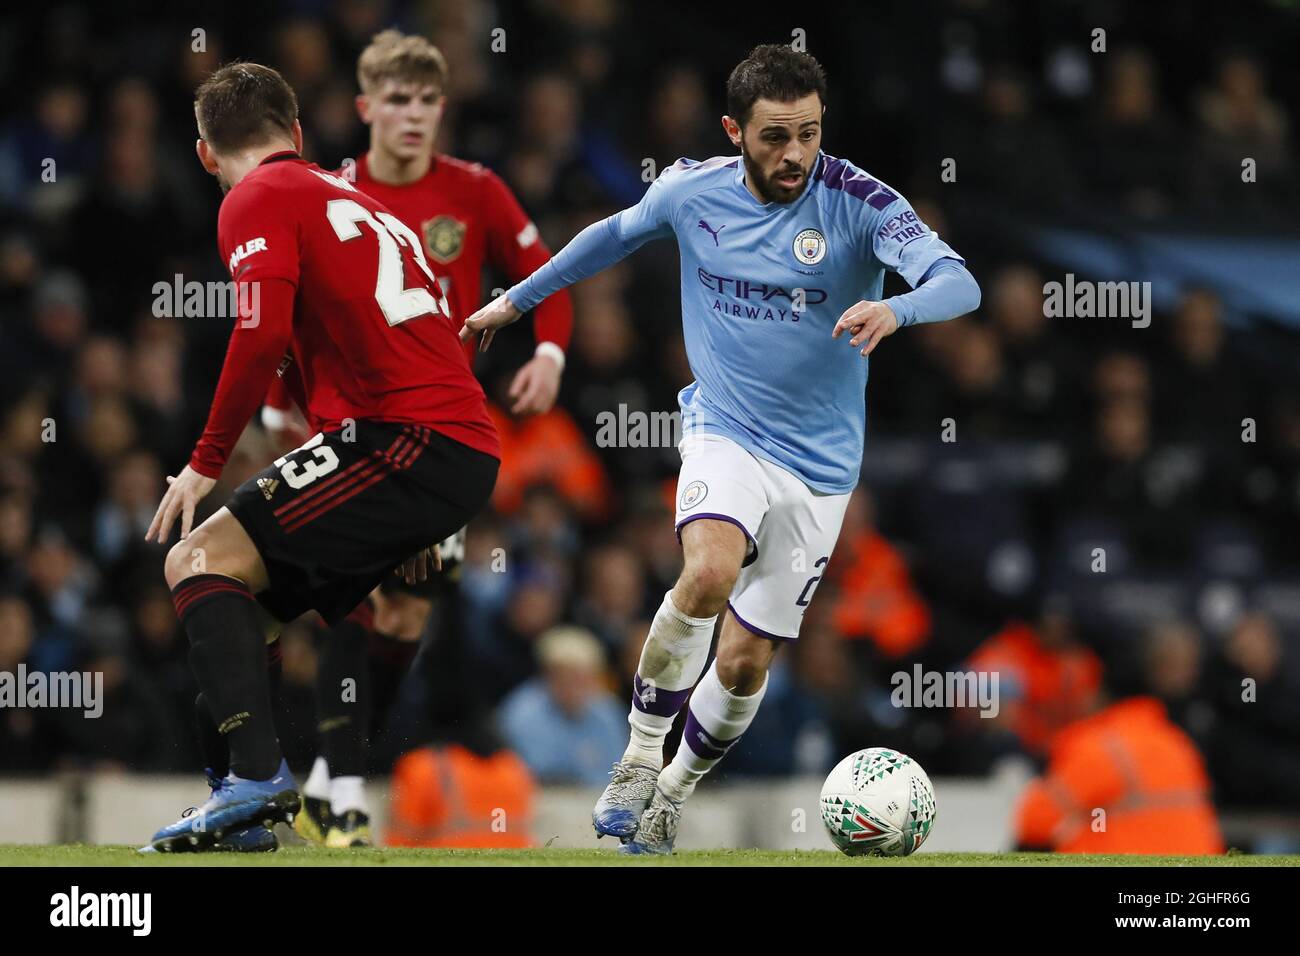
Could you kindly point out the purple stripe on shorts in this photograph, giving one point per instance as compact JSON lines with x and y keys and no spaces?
{"x":752,"y":554}
{"x":757,"y":630}
{"x":702,"y":743}
{"x":655,"y":700}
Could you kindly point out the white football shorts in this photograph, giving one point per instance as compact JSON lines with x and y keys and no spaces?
{"x":791,"y":528}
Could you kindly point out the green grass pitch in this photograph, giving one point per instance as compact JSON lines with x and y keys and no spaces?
{"x":80,"y":855}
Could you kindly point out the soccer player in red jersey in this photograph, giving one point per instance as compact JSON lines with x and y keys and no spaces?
{"x":466,"y":217}
{"x":337,"y":295}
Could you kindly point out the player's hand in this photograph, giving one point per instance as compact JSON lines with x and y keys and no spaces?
{"x":184,"y":492}
{"x":497,"y":314}
{"x":416,"y":567}
{"x":867,"y":322}
{"x":535,"y":386}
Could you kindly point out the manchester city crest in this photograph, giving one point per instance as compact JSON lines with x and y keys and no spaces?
{"x":810,"y":247}
{"x":444,"y":237}
{"x":692,"y":495}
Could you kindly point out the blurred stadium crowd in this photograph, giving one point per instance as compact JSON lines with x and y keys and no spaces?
{"x":1072,"y":435}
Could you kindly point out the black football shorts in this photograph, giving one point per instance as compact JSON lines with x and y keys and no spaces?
{"x":333,"y":518}
{"x":453,"y":553}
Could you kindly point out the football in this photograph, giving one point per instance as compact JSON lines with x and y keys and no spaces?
{"x":878,"y":802}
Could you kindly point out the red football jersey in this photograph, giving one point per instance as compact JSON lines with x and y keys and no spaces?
{"x":467,"y":218}
{"x":370,"y":337}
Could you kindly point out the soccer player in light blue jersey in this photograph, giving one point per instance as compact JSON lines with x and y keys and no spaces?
{"x":784,"y":251}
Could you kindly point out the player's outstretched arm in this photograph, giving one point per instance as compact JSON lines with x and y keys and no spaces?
{"x":597,"y":247}
{"x":946,"y":291}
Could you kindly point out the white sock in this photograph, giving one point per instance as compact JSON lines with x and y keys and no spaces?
{"x":318,"y":783}
{"x":714,"y":722}
{"x":348,"y":793}
{"x":674,"y":654}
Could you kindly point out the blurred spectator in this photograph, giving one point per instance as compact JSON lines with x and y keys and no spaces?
{"x":1172,"y":665}
{"x":59,"y":320}
{"x":1135,"y":148}
{"x":613,"y":594}
{"x":136,"y":730}
{"x":680,"y":122}
{"x":1123,"y":780}
{"x":1239,"y":119}
{"x":877,"y":600}
{"x":134,"y":490}
{"x":1255,"y":754}
{"x":1202,"y":392}
{"x":980,"y":392}
{"x":1042,"y":369}
{"x":303,"y":58}
{"x":564,"y":723}
{"x":1046,"y":678}
{"x":1266,"y":487}
{"x":1151,"y":492}
{"x":15,"y":536}
{"x":545,"y":525}
{"x":453,"y":796}
{"x":27,"y":743}
{"x":132,"y":206}
{"x":45,"y":158}
{"x":1003,"y":140}
{"x":508,"y":656}
{"x":548,"y":449}
{"x":62,"y":584}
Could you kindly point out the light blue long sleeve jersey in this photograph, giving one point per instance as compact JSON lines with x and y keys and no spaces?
{"x":763,"y":285}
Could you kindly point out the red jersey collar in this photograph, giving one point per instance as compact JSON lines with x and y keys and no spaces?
{"x":281,"y":155}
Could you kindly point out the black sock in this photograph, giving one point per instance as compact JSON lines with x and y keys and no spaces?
{"x":228,"y":657}
{"x":216,"y":750}
{"x":390,"y":663}
{"x":343,"y":694}
{"x":216,"y":753}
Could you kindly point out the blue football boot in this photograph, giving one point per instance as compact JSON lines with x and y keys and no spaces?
{"x":619,"y":809}
{"x":236,"y":806}
{"x":255,"y":839}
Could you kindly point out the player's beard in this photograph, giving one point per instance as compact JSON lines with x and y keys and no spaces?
{"x":767,"y":186}
{"x":223,"y":183}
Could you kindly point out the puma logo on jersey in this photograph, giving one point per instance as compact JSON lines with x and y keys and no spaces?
{"x":711,"y":231}
{"x":244,"y":250}
{"x":268,"y":486}
{"x":527,"y":236}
